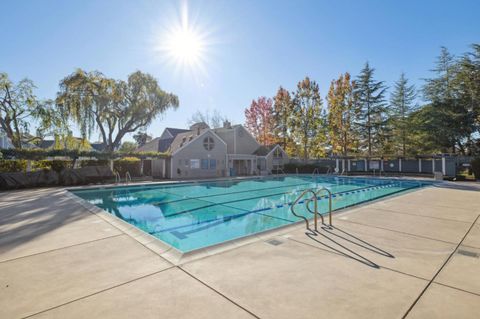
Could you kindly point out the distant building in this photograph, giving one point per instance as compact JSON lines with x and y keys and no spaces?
{"x":204,"y":152}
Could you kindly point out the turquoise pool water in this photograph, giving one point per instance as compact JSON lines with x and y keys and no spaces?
{"x":194,"y":215}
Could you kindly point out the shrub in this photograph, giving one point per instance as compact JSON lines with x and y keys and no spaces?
{"x":94,"y":163}
{"x":476,"y":167}
{"x":12,"y":166}
{"x":54,"y":165}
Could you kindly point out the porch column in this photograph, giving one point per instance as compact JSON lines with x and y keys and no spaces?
{"x":419,"y":165}
{"x":444,"y":166}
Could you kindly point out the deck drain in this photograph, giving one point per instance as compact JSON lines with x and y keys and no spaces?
{"x":274,"y":242}
{"x":468,"y":253}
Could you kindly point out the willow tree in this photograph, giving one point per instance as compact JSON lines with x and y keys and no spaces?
{"x":341,"y":114}
{"x":402,"y":103}
{"x":308,"y":120}
{"x":282,"y":117}
{"x":112,"y":107}
{"x":20,"y":108}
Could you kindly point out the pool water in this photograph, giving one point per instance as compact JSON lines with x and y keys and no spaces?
{"x":194,"y":215}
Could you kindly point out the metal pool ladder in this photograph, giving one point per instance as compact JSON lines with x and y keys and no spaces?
{"x":313,"y":198}
{"x":128,"y":178}
{"x":117,"y":177}
{"x":315,"y":172}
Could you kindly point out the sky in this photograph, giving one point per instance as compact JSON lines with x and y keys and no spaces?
{"x":243,"y":49}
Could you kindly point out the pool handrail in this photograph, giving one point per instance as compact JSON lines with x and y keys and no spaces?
{"x":117,"y":176}
{"x":128,"y":178}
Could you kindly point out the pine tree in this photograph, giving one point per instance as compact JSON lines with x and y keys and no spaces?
{"x":308,"y":120}
{"x":401,"y":105}
{"x":341,"y":113}
{"x":371,"y":120}
{"x":450,"y":115}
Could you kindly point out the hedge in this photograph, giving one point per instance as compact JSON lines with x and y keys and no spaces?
{"x":40,"y":154}
{"x":476,"y":167}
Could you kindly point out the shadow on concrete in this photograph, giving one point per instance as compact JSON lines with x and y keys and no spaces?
{"x":334,"y":237}
{"x":467,"y":186}
{"x":29,"y":214}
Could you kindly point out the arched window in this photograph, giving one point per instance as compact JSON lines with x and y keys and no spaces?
{"x":208,"y":143}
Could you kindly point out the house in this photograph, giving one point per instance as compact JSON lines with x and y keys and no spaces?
{"x":201,"y":152}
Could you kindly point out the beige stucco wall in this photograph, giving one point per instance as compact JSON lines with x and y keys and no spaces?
{"x":245,"y":143}
{"x":195,"y":150}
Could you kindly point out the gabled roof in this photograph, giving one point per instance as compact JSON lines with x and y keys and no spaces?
{"x":264,"y":150}
{"x":99,"y":147}
{"x":156,"y":145}
{"x":183,"y":139}
{"x":175,"y":131}
{"x":46,"y":144}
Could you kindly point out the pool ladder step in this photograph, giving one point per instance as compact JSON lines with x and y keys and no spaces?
{"x":312,"y":195}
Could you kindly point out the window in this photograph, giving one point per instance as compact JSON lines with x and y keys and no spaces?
{"x":194,"y":163}
{"x":208,"y":143}
{"x":213,"y":164}
{"x":204,"y":164}
{"x":278,"y":153}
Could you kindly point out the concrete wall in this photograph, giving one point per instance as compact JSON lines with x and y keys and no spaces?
{"x":181,"y":164}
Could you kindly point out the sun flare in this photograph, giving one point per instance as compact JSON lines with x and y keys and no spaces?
{"x":185,"y":46}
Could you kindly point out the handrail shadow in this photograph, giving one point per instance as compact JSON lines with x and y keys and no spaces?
{"x":349,"y":253}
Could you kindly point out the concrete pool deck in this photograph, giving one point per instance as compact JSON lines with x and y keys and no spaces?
{"x":411,"y":256}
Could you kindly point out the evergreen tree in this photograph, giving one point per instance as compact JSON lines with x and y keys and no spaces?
{"x":371,"y":120}
{"x":401,"y":105}
{"x":341,"y":113}
{"x":450,"y":112}
{"x":308,"y":120}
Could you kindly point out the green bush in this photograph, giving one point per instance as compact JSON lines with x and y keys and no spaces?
{"x":476,"y":167}
{"x":12,"y":166}
{"x":94,"y":163}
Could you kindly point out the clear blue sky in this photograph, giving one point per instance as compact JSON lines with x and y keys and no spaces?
{"x":252,"y":47}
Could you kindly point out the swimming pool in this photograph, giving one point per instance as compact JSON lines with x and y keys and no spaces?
{"x":194,"y":215}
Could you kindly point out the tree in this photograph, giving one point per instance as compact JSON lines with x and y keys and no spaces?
{"x":341,"y":114}
{"x":308,"y":120}
{"x":259,"y":120}
{"x":282,"y":117}
{"x":128,"y":147}
{"x":371,"y":120}
{"x":401,"y":105}
{"x":214,"y":119}
{"x":451,"y":111}
{"x":142,"y":138}
{"x":19,"y":108}
{"x":469,"y":84}
{"x":114,"y":107}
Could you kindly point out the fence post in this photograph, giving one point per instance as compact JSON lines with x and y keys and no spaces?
{"x":337,"y":163}
{"x":419,"y":165}
{"x":366,"y":166}
{"x":433,"y":165}
{"x":348,"y":161}
{"x":444,"y":167}
{"x":400,"y":165}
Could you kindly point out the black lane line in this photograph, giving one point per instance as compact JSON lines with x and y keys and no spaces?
{"x":441,"y":268}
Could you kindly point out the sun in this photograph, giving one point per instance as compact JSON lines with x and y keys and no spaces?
{"x":184,"y":43}
{"x":185,"y":46}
